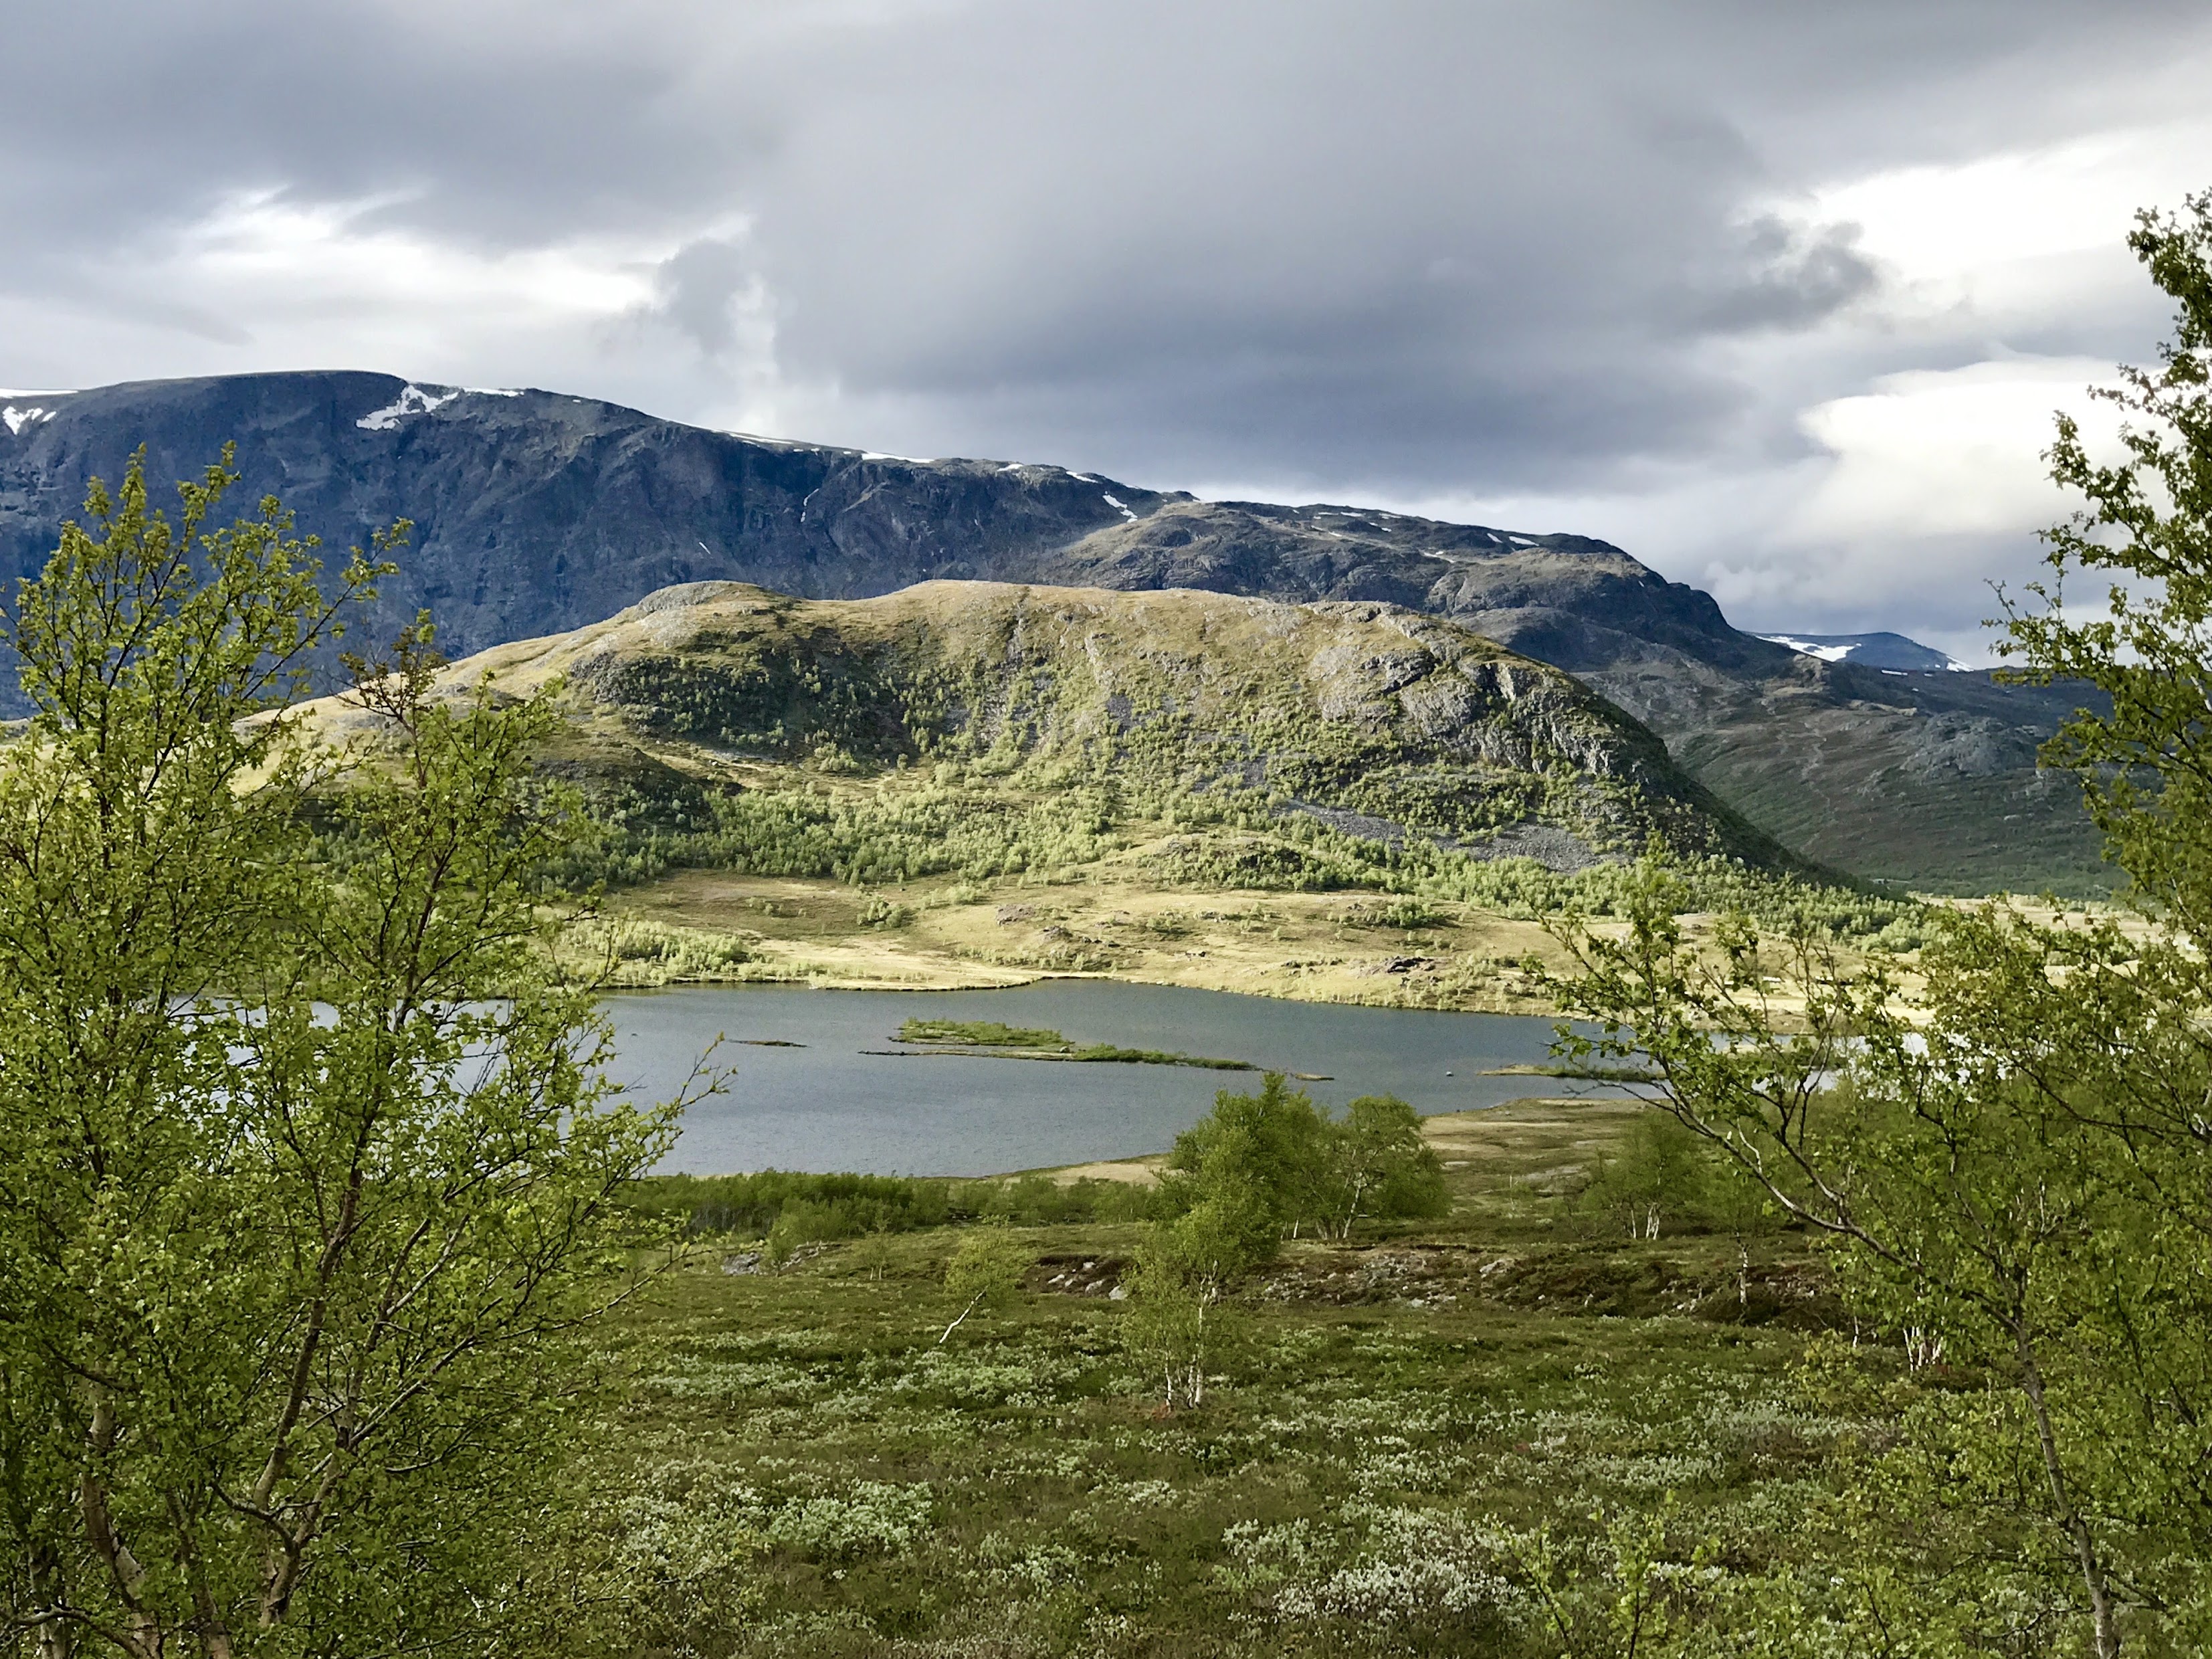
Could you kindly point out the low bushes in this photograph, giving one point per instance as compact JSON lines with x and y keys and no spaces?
{"x":796,"y":1208}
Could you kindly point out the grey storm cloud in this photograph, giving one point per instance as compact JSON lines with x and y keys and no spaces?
{"x":1414,"y":247}
{"x":699,"y":288}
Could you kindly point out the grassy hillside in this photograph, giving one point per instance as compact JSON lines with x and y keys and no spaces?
{"x":972,"y":705}
{"x":1920,"y":781}
{"x":1361,"y":717}
{"x":967,"y":783}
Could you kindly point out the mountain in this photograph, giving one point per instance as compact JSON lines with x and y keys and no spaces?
{"x":971,"y":783}
{"x":535,"y":511}
{"x":1893,"y":653}
{"x":1267,"y":731}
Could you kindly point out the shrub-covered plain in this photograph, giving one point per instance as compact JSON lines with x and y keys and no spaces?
{"x":1463,"y":1435}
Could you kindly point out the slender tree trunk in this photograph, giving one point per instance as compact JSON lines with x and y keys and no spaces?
{"x":54,"y":1633}
{"x":964,"y":1312}
{"x":143,"y":1636}
{"x":2094,"y":1578}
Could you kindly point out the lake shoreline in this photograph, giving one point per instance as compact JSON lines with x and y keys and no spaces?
{"x":813,"y":1086}
{"x":1385,"y":998}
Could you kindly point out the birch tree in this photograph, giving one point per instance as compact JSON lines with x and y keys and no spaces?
{"x":306,"y":1160}
{"x":2014,"y":1156}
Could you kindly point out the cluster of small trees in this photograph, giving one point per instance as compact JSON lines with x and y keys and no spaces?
{"x":915,"y":827}
{"x":1259,"y":1168}
{"x":1665,"y":1179}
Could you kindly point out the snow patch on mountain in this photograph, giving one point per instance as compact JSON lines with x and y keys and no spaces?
{"x":1810,"y":649}
{"x":1893,"y":653}
{"x":17,"y":419}
{"x":412,"y":400}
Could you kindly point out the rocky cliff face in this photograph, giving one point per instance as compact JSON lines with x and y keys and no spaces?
{"x":535,"y":513}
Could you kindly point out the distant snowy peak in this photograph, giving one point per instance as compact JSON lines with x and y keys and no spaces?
{"x":1892,"y":652}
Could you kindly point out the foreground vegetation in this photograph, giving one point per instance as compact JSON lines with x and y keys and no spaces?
{"x":2011,"y":1155}
{"x":1471,"y":1435}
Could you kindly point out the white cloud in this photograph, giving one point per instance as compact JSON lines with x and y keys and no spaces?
{"x":1920,"y":491}
{"x":1959,"y":223}
{"x":1277,"y":245}
{"x":265,"y":279}
{"x":270,"y":280}
{"x":1940,"y":453}
{"x":290,"y":261}
{"x":2020,"y":249}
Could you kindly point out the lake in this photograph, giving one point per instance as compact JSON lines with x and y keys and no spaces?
{"x":826,"y":1105}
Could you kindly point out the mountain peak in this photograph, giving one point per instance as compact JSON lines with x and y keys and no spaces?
{"x":1892,"y":652}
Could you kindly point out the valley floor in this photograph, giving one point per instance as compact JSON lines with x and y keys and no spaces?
{"x":1371,"y":948}
{"x":801,"y":1467}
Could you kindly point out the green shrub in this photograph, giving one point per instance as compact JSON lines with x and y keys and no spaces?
{"x":825,"y":1206}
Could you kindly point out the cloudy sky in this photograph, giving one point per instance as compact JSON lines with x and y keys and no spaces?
{"x":1779,"y":298}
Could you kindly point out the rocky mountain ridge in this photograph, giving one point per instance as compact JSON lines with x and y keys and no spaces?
{"x":537,"y":512}
{"x":1893,"y":653}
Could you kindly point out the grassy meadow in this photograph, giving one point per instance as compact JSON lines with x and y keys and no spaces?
{"x":1436,"y":1438}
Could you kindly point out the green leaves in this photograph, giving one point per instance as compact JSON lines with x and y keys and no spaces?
{"x":306,"y":1170}
{"x":985,"y":1272}
{"x":2145,"y":537}
{"x":2011,"y":1162}
{"x":1378,"y":1165}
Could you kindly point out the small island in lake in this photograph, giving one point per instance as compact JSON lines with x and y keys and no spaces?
{"x":992,"y":1039}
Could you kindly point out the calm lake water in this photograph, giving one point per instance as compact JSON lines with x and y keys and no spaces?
{"x":826,"y":1105}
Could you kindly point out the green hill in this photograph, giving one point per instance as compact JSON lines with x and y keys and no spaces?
{"x":970,"y":782}
{"x":941,"y":718}
{"x":535,"y":511}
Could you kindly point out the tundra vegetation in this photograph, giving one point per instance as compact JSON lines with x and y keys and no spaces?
{"x":1882,"y":1328}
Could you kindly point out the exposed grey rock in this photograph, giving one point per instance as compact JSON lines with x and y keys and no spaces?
{"x":1548,"y":844}
{"x":535,"y":513}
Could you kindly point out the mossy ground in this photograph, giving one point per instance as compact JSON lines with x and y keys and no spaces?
{"x":803,"y":1469}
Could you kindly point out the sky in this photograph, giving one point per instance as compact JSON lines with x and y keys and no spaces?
{"x":1780,"y":299}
